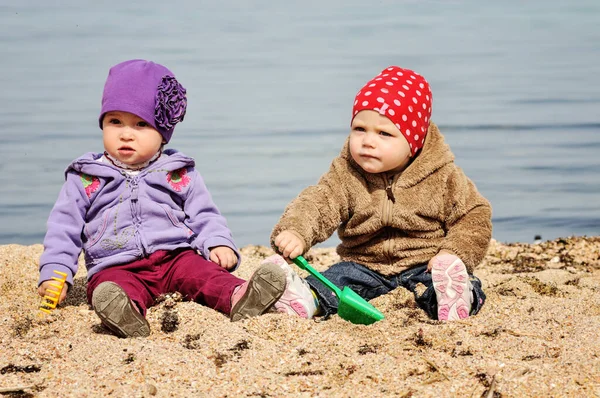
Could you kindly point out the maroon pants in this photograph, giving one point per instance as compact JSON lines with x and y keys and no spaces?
{"x":183,"y":271}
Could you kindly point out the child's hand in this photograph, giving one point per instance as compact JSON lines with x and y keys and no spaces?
{"x":223,"y":256}
{"x":434,"y":259}
{"x":289,"y":244}
{"x":46,"y":284}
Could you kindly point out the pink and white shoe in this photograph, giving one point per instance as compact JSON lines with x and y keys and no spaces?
{"x":452,"y":288}
{"x":297,"y":299}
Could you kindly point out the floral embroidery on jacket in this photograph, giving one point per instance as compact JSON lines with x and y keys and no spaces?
{"x":178,"y":179}
{"x":120,"y":241}
{"x":90,"y":183}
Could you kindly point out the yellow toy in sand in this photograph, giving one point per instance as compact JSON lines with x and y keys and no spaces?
{"x":50,"y":300}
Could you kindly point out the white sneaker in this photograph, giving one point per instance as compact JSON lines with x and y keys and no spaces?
{"x":452,"y":287}
{"x":297,"y":299}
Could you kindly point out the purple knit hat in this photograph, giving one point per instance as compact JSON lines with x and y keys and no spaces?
{"x":149,"y":91}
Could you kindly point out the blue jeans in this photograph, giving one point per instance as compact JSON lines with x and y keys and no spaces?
{"x":370,"y":284}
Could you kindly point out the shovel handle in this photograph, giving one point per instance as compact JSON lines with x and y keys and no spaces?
{"x":303,"y":264}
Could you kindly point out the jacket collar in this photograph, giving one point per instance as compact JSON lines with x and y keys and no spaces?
{"x":89,"y":164}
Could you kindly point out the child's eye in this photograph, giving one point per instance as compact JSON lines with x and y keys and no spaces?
{"x":114,"y":121}
{"x":359,"y":129}
{"x":385,"y":134}
{"x":142,"y":124}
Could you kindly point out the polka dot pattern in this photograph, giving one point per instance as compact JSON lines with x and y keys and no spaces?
{"x":400,"y":93}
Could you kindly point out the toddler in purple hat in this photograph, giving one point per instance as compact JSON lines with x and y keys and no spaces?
{"x":143,"y":216}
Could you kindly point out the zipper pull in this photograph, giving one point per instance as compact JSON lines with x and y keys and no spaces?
{"x":388,"y":191}
{"x":134,"y":192}
{"x":134,"y":188}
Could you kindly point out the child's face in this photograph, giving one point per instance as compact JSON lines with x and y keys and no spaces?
{"x":129,"y":139}
{"x":376,"y":144}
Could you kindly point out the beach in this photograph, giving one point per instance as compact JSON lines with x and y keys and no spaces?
{"x":536,"y":335}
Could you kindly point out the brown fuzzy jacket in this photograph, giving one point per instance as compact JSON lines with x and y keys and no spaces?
{"x":391,"y":223}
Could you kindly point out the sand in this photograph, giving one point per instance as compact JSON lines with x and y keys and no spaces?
{"x":536,"y":336}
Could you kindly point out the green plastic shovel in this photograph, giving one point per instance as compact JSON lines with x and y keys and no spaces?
{"x":352,"y":307}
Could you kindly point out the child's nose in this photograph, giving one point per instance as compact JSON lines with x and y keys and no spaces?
{"x":369,"y":139}
{"x":126,"y":134}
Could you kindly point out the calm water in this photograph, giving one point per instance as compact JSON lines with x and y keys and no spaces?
{"x":516,"y":92}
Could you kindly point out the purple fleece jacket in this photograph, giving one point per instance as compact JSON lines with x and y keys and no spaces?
{"x":117,"y":218}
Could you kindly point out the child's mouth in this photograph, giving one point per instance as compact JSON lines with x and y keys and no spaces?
{"x":126,"y":150}
{"x":367,"y":156}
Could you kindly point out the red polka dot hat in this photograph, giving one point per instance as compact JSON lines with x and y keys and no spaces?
{"x":404,"y":97}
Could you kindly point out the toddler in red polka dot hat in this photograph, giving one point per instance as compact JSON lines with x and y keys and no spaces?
{"x":404,"y":212}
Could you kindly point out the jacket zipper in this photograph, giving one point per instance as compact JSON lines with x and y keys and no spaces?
{"x":135,"y":211}
{"x":387,"y":217}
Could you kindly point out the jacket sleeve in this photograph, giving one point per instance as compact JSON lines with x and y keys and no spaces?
{"x":204,"y":218}
{"x":63,"y":242}
{"x":468,"y":220}
{"x":318,"y":210}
